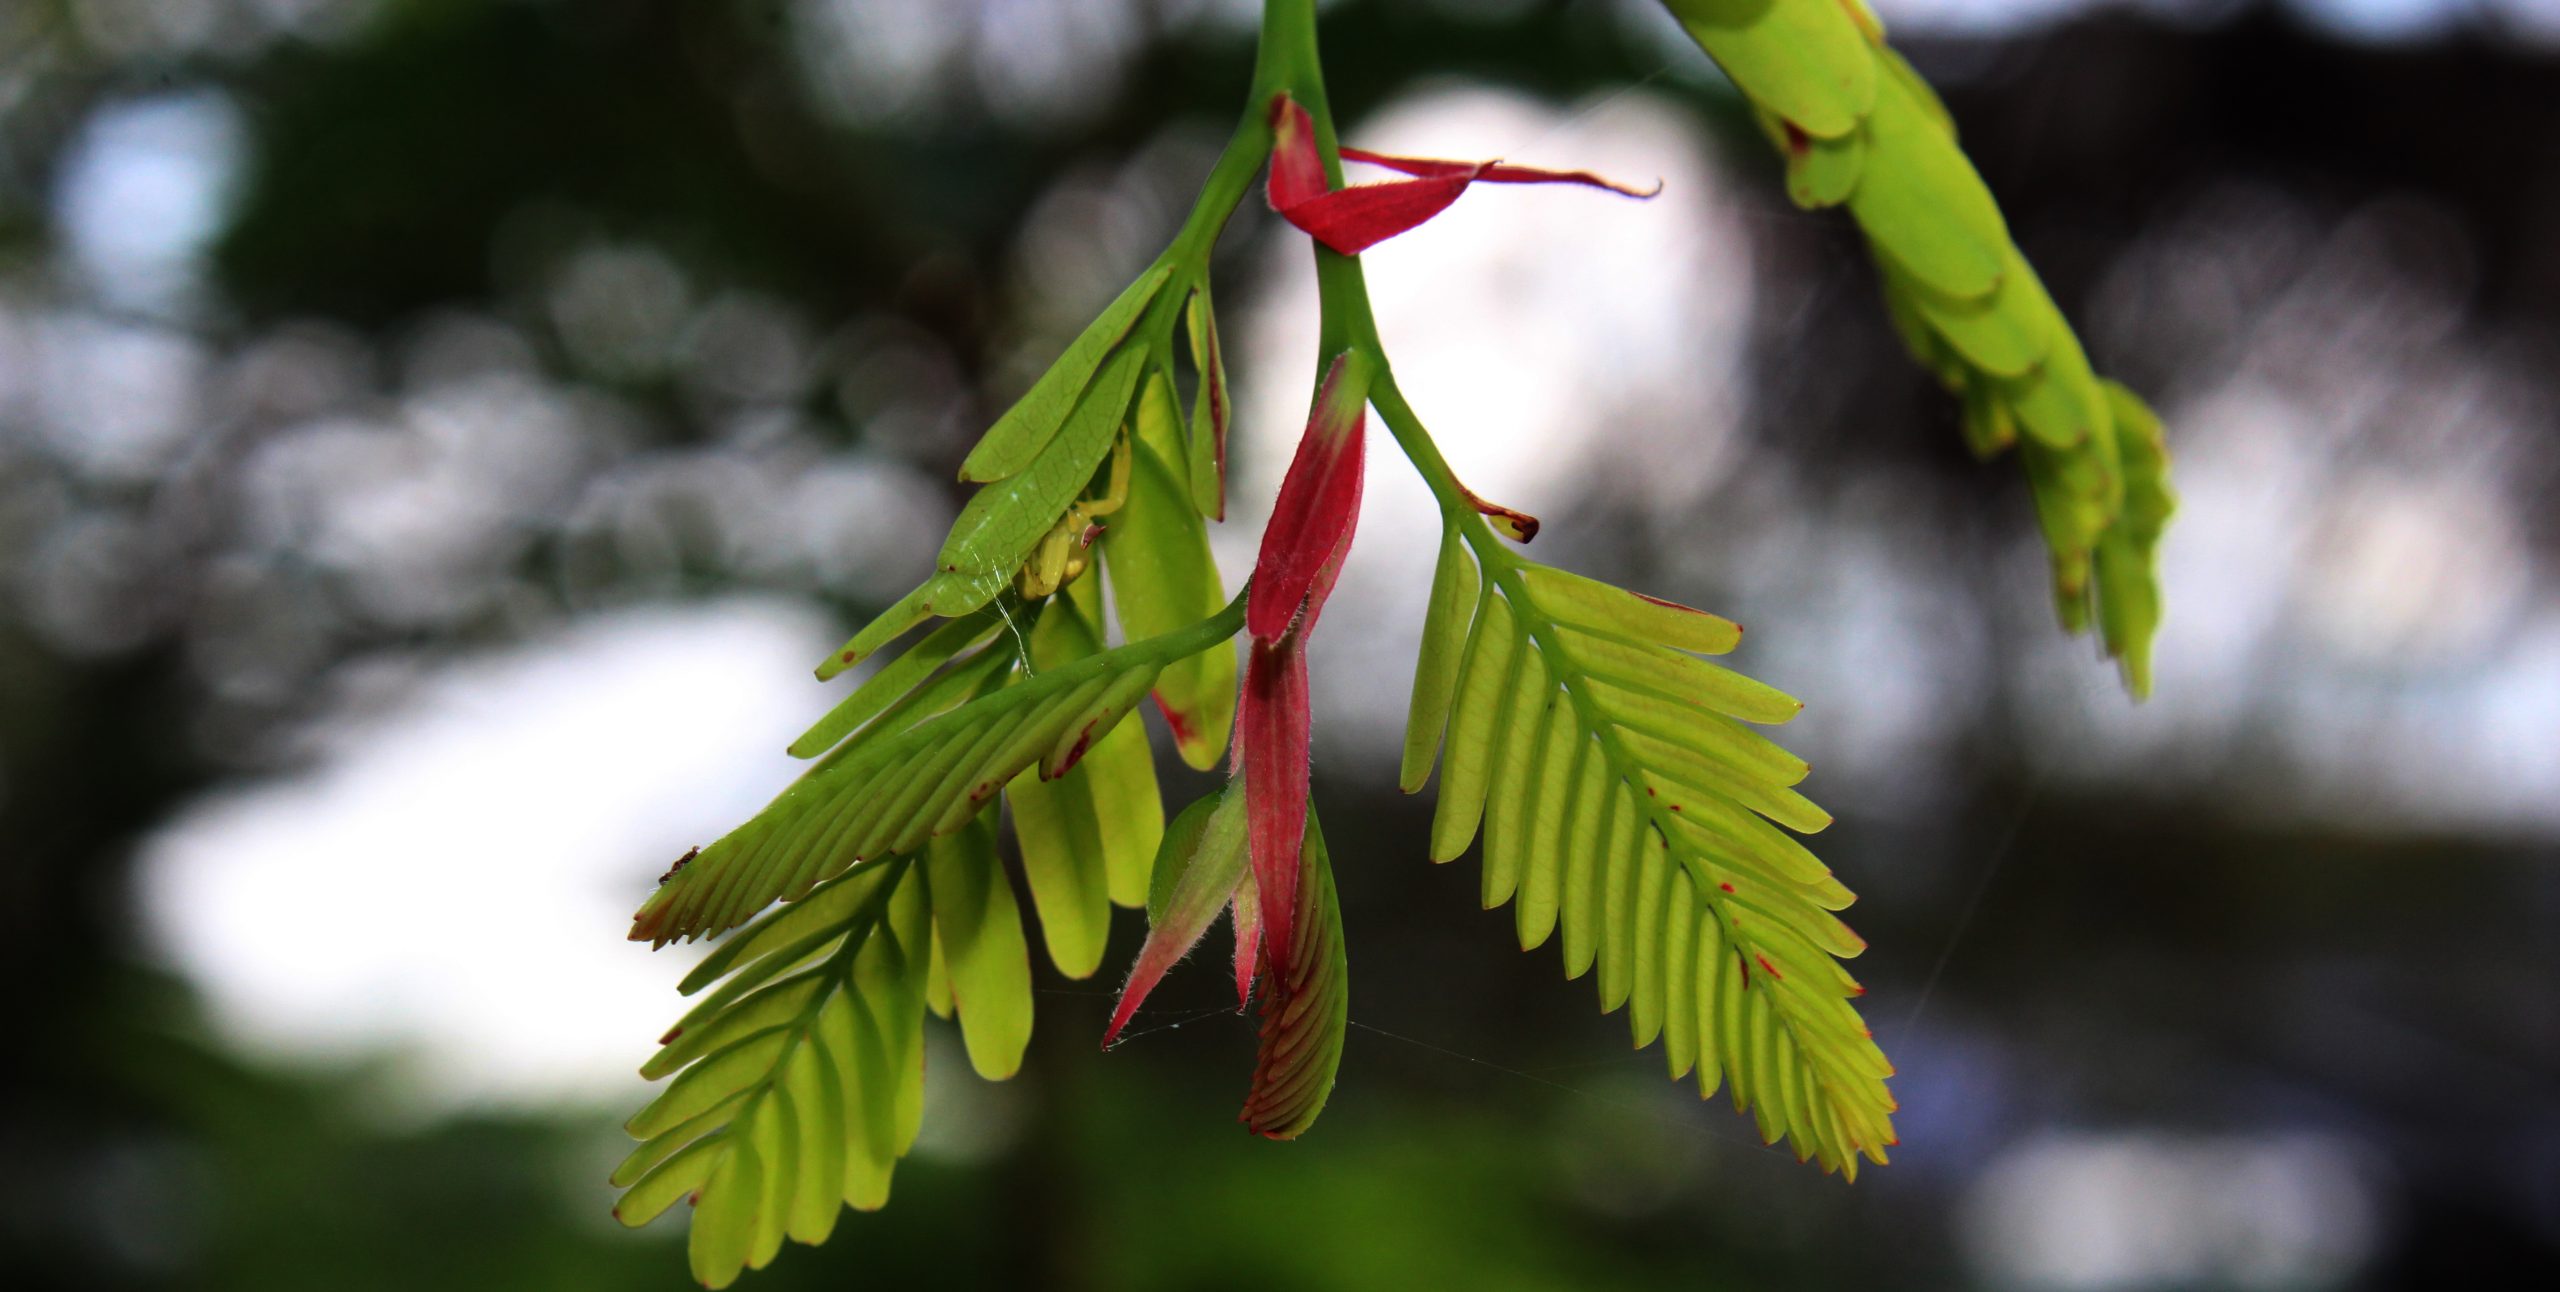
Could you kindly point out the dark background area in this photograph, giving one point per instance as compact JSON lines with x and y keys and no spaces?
{"x":347,"y":346}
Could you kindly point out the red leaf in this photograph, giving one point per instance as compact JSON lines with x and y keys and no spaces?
{"x":1319,"y":502}
{"x":1246,"y":916}
{"x":1305,"y":1008}
{"x":1495,"y":172}
{"x":1206,"y":847}
{"x":1273,"y":730}
{"x":1352,"y":220}
{"x":1297,"y":167}
{"x":1322,"y":587}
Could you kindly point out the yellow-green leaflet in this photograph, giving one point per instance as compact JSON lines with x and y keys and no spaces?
{"x":1209,"y":409}
{"x":1120,"y":771}
{"x":1026,"y":428}
{"x":897,"y":680}
{"x":1435,"y":673}
{"x":978,"y":931}
{"x":1920,"y":200}
{"x":2127,"y":557}
{"x":1002,"y":522}
{"x":1858,"y":126}
{"x":1200,"y":840}
{"x":1823,"y":172}
{"x":1484,"y":681}
{"x":1597,"y":607}
{"x":1804,"y":59}
{"x":1162,"y":577}
{"x":1156,"y":420}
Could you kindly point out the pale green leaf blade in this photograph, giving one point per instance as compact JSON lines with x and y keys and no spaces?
{"x":1801,"y":59}
{"x":1922,"y":203}
{"x":1484,"y":682}
{"x":1525,"y":716}
{"x":1597,"y":607}
{"x":1210,"y":410}
{"x":984,"y":954}
{"x":1162,"y":577}
{"x":1454,"y":588}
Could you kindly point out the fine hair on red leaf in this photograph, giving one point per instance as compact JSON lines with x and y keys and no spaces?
{"x":1319,"y":501}
{"x":1273,"y":727}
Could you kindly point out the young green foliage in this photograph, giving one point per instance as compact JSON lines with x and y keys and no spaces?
{"x":1630,"y":808}
{"x":1859,"y":128}
{"x":799,"y":1083}
{"x":1623,"y":800}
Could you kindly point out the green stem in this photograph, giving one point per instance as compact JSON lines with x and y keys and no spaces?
{"x":1289,"y":47}
{"x":1290,"y":62}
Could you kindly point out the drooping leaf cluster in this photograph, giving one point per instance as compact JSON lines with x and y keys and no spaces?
{"x":1860,"y":129}
{"x":885,"y":853}
{"x":1629,"y":805}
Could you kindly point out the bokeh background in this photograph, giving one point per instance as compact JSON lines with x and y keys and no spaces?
{"x":436,"y":436}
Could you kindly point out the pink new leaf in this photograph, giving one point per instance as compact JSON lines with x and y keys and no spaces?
{"x":1352,"y":220}
{"x":1245,"y":914}
{"x":1305,"y":1007}
{"x":1319,"y":500}
{"x":1272,"y":727}
{"x":1497,"y":172}
{"x":1200,"y":870}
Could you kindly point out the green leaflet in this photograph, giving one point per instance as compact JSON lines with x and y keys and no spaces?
{"x":1061,"y":860}
{"x":937,"y":983}
{"x":1519,"y":743}
{"x":2005,"y":332}
{"x":1156,"y":420}
{"x":1162,"y":576}
{"x":1198,"y":864}
{"x":1435,"y":674}
{"x":1823,"y":172}
{"x":1484,"y":680}
{"x":1804,"y":59}
{"x":897,"y":682}
{"x":1003,"y":521}
{"x":1198,"y":872}
{"x":1307,"y":1012}
{"x":2062,"y":406}
{"x":978,"y":940}
{"x":1209,"y":410}
{"x":772,"y":1133}
{"x":1921,"y":202}
{"x":1596,"y":607}
{"x":1120,"y":772}
{"x":2128,"y":554}
{"x":1624,"y":806}
{"x":1089,"y":835}
{"x":1027,"y":428}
